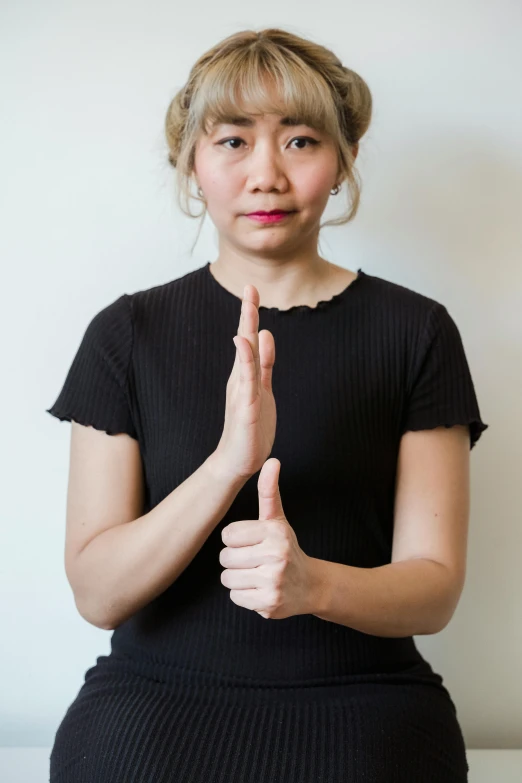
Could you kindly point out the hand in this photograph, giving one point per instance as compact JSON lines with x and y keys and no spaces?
{"x":250,"y":411}
{"x":264,"y":565}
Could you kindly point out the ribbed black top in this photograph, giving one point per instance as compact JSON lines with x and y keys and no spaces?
{"x":351,"y":375}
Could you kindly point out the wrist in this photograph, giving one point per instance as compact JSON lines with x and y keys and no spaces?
{"x":220,"y":471}
{"x":320,"y":586}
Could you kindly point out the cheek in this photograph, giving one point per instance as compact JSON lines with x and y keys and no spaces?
{"x":220,"y":189}
{"x":216,"y":177}
{"x":315,"y":184}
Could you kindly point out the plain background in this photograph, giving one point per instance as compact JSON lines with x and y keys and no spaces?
{"x":89,"y":212}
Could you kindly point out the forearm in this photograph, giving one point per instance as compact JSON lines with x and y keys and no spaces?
{"x":399,"y":599}
{"x":126,"y":566}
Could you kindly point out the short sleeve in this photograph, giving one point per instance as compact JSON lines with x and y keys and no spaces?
{"x":441,"y":389}
{"x":95,"y":391}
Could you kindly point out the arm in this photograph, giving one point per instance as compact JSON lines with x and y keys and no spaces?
{"x":117,"y":561}
{"x":418,"y":592}
{"x":397,"y":599}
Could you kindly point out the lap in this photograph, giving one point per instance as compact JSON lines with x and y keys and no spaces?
{"x":125,"y":728}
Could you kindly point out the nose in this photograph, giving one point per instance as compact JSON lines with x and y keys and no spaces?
{"x":266,"y":169}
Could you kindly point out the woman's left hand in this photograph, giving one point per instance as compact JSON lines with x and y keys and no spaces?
{"x":265,"y":568}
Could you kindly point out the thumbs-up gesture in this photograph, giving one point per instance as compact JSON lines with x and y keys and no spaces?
{"x":265,"y":568}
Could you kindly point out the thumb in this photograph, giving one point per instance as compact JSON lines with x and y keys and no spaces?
{"x":270,"y":505}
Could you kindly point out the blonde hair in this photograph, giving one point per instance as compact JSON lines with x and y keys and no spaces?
{"x":311,"y":81}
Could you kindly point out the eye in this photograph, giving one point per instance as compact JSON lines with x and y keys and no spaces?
{"x":313,"y":142}
{"x":297,"y":138}
{"x":225,"y":141}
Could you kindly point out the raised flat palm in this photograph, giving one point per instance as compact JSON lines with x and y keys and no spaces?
{"x":250,"y":412}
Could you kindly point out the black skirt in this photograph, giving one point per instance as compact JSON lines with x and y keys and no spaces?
{"x":124,"y":727}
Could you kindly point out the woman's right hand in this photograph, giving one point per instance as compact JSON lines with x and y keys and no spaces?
{"x":250,"y":411}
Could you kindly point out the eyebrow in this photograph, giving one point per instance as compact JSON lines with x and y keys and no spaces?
{"x":248,"y":122}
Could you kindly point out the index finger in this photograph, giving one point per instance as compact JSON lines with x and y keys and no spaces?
{"x":249,"y":321}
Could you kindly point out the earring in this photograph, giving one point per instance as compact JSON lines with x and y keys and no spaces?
{"x":336,"y":190}
{"x":200,"y":192}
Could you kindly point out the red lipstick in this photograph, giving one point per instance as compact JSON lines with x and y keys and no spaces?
{"x":273,"y":216}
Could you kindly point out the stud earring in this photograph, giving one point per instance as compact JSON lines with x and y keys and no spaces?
{"x":336,"y":190}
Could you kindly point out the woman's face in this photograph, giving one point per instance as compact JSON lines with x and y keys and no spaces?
{"x":266,"y":165}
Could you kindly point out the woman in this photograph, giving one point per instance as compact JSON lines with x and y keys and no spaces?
{"x":263,"y":607}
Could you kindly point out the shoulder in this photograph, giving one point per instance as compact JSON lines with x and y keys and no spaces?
{"x":405,"y":312}
{"x":112,"y":317}
{"x":399,"y":296}
{"x":170,"y":296}
{"x":108,"y":339}
{"x":111,"y":326}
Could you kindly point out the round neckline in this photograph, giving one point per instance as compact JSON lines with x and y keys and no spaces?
{"x":323,"y":304}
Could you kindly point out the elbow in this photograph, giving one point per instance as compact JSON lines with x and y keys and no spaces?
{"x":443,"y":618}
{"x":94,"y":616}
{"x":440,"y":625}
{"x":105,"y":625}
{"x":436,"y":623}
{"x":95,"y":612}
{"x":448,"y":600}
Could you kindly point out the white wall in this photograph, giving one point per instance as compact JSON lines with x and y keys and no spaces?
{"x":89,"y":213}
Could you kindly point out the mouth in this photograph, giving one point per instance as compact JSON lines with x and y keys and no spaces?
{"x":269,"y":217}
{"x":272,"y":212}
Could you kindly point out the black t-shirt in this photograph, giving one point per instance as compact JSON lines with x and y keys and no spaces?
{"x":351,"y":375}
